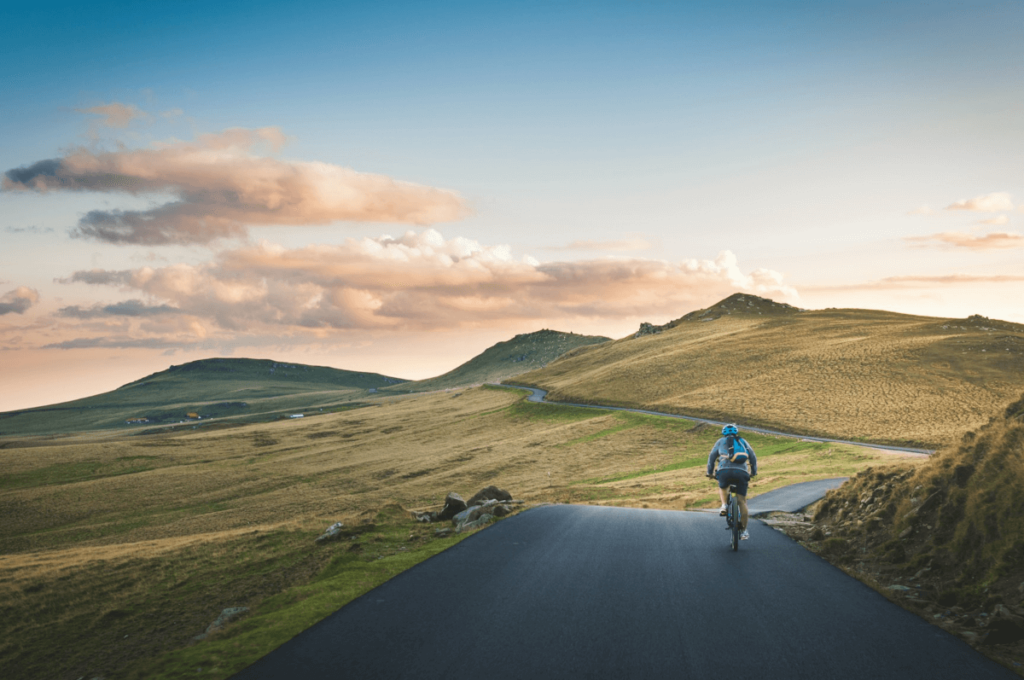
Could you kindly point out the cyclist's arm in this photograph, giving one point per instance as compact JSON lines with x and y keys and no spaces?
{"x":753,"y":460}
{"x":712,"y":457}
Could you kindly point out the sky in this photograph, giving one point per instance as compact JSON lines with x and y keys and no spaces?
{"x":395,"y":186}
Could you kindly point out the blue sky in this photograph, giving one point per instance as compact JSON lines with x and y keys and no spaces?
{"x":588,"y":145}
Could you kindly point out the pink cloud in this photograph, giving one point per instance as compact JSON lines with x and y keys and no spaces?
{"x":955,"y":239}
{"x":994,"y":202}
{"x":223,"y":186}
{"x":420,"y":281}
{"x":115,"y":114}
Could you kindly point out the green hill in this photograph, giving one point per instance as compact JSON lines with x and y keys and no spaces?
{"x":506,"y":359}
{"x":238,"y":389}
{"x":847,"y":373}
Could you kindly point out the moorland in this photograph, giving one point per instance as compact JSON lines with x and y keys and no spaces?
{"x":122,"y":541}
{"x":855,"y":374}
{"x":117,"y":550}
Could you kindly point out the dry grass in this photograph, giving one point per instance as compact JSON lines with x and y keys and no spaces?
{"x":949,"y":535}
{"x":150,"y":537}
{"x":849,"y":374}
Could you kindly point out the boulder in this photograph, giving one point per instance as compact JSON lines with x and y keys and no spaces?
{"x":453,"y":505}
{"x":332,"y":533}
{"x":226,"y":616}
{"x":474,"y":524}
{"x":489,"y":493}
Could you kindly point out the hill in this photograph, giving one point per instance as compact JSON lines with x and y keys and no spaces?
{"x":946,"y":539}
{"x":507,"y":359}
{"x":241,"y":389}
{"x":848,"y":373}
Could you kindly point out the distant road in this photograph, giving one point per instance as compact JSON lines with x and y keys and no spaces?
{"x":540,"y":396}
{"x":567,"y":591}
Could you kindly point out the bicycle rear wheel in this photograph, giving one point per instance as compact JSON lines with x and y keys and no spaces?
{"x":734,"y":514}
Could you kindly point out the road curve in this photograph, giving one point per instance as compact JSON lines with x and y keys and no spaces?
{"x":793,"y":497}
{"x":539,"y":396}
{"x":597,"y":592}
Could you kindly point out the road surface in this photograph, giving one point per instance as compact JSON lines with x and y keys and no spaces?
{"x":595,"y":592}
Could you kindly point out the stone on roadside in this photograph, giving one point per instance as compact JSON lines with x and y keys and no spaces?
{"x":226,"y":616}
{"x":332,"y":533}
{"x":453,"y":505}
{"x":478,"y":522}
{"x":487,"y":494}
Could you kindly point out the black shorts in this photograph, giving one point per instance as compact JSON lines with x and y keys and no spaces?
{"x":733,"y":476}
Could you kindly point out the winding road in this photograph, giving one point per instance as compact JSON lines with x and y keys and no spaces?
{"x":566,"y":591}
{"x":597,"y":592}
{"x":539,"y":396}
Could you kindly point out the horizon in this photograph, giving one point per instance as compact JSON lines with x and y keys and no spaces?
{"x":395,"y":189}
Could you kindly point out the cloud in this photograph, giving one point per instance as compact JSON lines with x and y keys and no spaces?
{"x":994,"y":202}
{"x":992,"y":241}
{"x":29,"y":230}
{"x":131,"y":308}
{"x":908,"y":282}
{"x":622,"y":246}
{"x":422,"y":281}
{"x":18,"y":301}
{"x":115,"y":114}
{"x":222,"y":186}
{"x":999,"y":221}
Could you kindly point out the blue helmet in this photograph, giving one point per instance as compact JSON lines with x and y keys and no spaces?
{"x":729,"y":429}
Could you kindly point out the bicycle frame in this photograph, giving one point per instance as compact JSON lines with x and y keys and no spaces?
{"x":732,"y":517}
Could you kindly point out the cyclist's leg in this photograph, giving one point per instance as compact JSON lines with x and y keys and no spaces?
{"x":743,"y":511}
{"x":742,"y":480}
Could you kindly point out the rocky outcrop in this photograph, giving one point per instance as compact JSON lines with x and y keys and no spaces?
{"x":483,"y":507}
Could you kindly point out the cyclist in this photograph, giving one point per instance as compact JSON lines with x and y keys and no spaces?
{"x":731,"y":472}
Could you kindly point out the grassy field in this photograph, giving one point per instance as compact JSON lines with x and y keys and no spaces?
{"x":504,"y":360}
{"x":224,"y":390}
{"x":850,"y":374}
{"x":116,"y":551}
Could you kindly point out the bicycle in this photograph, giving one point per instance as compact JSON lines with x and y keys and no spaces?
{"x":732,"y":517}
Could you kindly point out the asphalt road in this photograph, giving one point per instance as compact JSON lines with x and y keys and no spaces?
{"x":595,"y":592}
{"x":539,"y":396}
{"x":793,"y":497}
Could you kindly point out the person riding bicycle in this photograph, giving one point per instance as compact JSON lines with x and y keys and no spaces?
{"x":732,"y":470}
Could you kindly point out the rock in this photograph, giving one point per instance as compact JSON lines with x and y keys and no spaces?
{"x":487,"y":494}
{"x":332,"y":533}
{"x":226,"y":616}
{"x":462,"y":517}
{"x":453,"y":505}
{"x":898,"y":588}
{"x":479,"y":522}
{"x":425,"y":517}
{"x":1003,"y":632}
{"x":441,"y":533}
{"x":970,"y":636}
{"x":906,"y":532}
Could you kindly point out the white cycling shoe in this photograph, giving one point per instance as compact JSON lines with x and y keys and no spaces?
{"x":722,"y":510}
{"x":745,"y":535}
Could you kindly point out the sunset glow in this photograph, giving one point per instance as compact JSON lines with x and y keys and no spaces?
{"x":394,"y":188}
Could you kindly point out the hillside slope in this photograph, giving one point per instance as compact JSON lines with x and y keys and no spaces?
{"x":946,"y":540}
{"x":239,"y":388}
{"x":845,"y":373}
{"x":506,"y":359}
